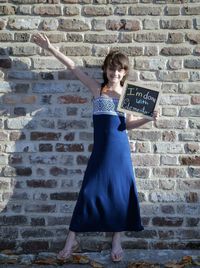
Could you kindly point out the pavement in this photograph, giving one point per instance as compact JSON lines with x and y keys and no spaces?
{"x":138,"y":258}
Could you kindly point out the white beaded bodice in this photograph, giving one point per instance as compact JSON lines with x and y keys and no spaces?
{"x":104,"y":105}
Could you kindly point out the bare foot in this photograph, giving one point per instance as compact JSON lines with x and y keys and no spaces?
{"x":117,"y":251}
{"x":70,"y":245}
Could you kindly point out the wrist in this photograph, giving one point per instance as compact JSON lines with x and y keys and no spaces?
{"x":50,"y":48}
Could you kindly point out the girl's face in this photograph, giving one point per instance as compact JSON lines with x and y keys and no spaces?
{"x":115,"y":74}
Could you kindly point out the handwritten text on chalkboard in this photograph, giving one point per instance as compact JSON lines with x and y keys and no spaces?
{"x":139,"y":99}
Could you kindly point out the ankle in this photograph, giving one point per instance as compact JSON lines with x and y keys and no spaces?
{"x":116,"y":235}
{"x":72,"y":234}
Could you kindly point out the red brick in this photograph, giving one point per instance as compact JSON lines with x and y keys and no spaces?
{"x":2,"y":24}
{"x":175,"y":51}
{"x":194,"y":38}
{"x":191,"y":197}
{"x":57,"y":171}
{"x":71,"y":99}
{"x":145,"y":221}
{"x":3,"y":136}
{"x":190,"y":160}
{"x":195,"y":100}
{"x":64,"y":196}
{"x":97,"y":11}
{"x":40,"y":208}
{"x":176,"y":24}
{"x":73,"y":25}
{"x":175,"y":38}
{"x":145,"y":10}
{"x":192,"y":222}
{"x":13,"y":220}
{"x":15,"y":159}
{"x":21,"y":37}
{"x":167,"y":209}
{"x":28,"y":99}
{"x":167,"y":221}
{"x":45,"y":136}
{"x":37,"y":221}
{"x":46,"y":147}
{"x":58,"y":220}
{"x":128,"y":25}
{"x":69,"y":136}
{"x":151,"y":37}
{"x":7,"y":244}
{"x":47,"y":10}
{"x":23,"y":171}
{"x":82,"y":160}
{"x":41,"y":183}
{"x":60,"y":147}
{"x":7,"y":10}
{"x":78,"y":1}
{"x":192,"y":147}
{"x":168,"y":234}
{"x":192,"y":10}
{"x":5,"y":63}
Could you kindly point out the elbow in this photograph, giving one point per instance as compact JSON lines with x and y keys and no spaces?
{"x":72,"y":67}
{"x":130,"y":126}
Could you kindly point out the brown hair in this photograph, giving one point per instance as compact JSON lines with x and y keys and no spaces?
{"x":115,"y":59}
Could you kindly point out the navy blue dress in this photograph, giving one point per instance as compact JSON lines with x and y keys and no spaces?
{"x":108,"y":199}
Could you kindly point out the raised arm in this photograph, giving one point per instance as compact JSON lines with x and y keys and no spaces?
{"x":132,"y":123}
{"x":42,"y":41}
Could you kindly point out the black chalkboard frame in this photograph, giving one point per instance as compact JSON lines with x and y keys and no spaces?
{"x":126,"y":87}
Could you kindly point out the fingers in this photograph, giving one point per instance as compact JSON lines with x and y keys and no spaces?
{"x":38,"y":37}
{"x":45,"y":37}
{"x":41,"y":40}
{"x":156,"y":115}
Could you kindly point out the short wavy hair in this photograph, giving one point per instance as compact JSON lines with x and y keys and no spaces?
{"x":115,"y":59}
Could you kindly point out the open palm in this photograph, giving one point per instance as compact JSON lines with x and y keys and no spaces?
{"x":41,"y":40}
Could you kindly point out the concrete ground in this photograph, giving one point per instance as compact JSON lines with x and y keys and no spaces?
{"x":151,"y":256}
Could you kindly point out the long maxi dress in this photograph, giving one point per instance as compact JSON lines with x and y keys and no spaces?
{"x":108,"y":198}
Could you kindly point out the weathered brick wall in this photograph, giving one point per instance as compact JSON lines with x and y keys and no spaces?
{"x":46,"y":126}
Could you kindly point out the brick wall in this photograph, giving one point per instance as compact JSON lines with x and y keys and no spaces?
{"x":46,"y":127}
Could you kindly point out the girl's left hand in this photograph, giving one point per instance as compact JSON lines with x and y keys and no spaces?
{"x":156,"y":115}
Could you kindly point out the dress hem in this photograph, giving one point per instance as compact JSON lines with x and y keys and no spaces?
{"x":103,"y":230}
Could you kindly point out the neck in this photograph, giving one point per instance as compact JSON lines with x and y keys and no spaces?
{"x":114,"y":86}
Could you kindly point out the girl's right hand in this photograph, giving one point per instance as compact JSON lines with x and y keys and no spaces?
{"x":41,"y":40}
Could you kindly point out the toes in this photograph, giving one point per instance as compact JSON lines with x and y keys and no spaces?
{"x":63,"y":254}
{"x":116,"y":256}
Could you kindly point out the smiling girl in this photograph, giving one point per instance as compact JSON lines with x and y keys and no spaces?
{"x":108,"y":199}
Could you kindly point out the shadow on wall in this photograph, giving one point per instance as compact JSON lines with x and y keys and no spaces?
{"x":46,"y":139}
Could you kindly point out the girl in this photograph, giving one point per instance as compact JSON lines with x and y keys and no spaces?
{"x":108,"y":200}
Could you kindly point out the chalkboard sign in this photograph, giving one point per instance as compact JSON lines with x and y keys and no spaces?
{"x":138,"y":99}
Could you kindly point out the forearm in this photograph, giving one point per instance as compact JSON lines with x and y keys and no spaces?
{"x":42,"y":41}
{"x":61,"y":57}
{"x":84,"y":78}
{"x":136,"y":123}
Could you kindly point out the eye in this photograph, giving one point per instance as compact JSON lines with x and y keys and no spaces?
{"x":110,"y":68}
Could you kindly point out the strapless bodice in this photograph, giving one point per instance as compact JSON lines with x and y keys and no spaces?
{"x":104,"y":105}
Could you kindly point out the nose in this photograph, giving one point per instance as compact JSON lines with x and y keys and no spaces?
{"x":116,"y":71}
